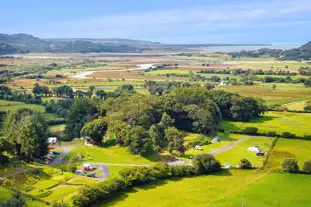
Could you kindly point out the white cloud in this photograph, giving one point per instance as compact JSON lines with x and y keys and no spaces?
{"x":188,"y":21}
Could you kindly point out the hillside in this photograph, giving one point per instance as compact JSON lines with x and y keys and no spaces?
{"x":23,"y":43}
{"x":110,"y":41}
{"x":301,"y":53}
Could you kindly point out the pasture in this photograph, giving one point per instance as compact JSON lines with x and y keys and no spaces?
{"x":279,"y":122}
{"x":273,"y":190}
{"x":12,"y":106}
{"x":199,"y":191}
{"x":239,"y":151}
{"x":284,"y":93}
{"x":289,"y":148}
{"x":113,"y":154}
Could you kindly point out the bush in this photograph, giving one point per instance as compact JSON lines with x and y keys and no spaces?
{"x":250,"y":130}
{"x":288,"y":135}
{"x":290,"y":165}
{"x":307,"y":167}
{"x":307,"y":136}
{"x":4,"y":159}
{"x":271,"y":134}
{"x":206,"y":163}
{"x":245,"y":164}
{"x":70,"y":167}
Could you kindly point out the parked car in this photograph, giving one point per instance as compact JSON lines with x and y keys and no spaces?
{"x":79,"y":172}
{"x":87,"y":167}
{"x":92,"y":175}
{"x":55,"y":153}
{"x":51,"y":147}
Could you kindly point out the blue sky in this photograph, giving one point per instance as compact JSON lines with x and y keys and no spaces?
{"x":167,"y":21}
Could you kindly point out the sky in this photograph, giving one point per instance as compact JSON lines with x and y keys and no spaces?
{"x":166,"y":21}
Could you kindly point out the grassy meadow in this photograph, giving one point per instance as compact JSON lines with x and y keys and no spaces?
{"x":279,"y":122}
{"x":289,"y":148}
{"x":273,"y":190}
{"x":113,"y":154}
{"x":199,"y":191}
{"x":284,"y":93}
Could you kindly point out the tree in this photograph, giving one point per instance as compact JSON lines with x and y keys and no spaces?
{"x":64,"y":91}
{"x":307,"y":167}
{"x":175,"y":139}
{"x":90,"y":91}
{"x":274,"y":87}
{"x":101,"y":94}
{"x":245,"y":164}
{"x":80,"y":112}
{"x":206,"y":163}
{"x":118,"y":130}
{"x":95,"y":130}
{"x":138,"y":141}
{"x":209,"y":86}
{"x":40,"y":90}
{"x":290,"y":165}
{"x":26,"y":132}
{"x":308,"y":82}
{"x":166,"y":121}
{"x":157,"y":135}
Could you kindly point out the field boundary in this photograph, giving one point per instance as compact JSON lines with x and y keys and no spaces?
{"x":269,"y":153}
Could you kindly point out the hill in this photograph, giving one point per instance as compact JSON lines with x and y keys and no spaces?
{"x":108,"y":41}
{"x":300,"y":53}
{"x":23,"y":43}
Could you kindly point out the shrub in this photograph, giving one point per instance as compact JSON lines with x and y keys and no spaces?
{"x":250,"y":130}
{"x":3,"y":159}
{"x":288,"y":135}
{"x":245,"y":164}
{"x":70,"y":167}
{"x":307,"y":167}
{"x":271,"y":134}
{"x":206,"y":163}
{"x":307,"y":136}
{"x":290,"y":165}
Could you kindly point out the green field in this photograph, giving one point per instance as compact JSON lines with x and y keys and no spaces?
{"x":114,"y":154}
{"x":296,"y":106}
{"x":290,"y":148}
{"x":276,"y":189}
{"x":284,"y":93}
{"x":238,"y":152}
{"x":14,"y":106}
{"x":49,"y":185}
{"x":225,"y":140}
{"x":5,"y":194}
{"x":200,"y":191}
{"x":298,"y":123}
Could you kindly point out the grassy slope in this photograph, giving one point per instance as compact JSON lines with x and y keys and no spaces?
{"x":5,"y":194}
{"x":225,"y":140}
{"x":277,"y":189}
{"x":113,"y":154}
{"x":14,"y":105}
{"x":298,"y":123}
{"x":238,"y":152}
{"x":290,"y":148}
{"x":200,"y":191}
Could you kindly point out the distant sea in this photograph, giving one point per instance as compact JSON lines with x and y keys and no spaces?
{"x":228,"y":49}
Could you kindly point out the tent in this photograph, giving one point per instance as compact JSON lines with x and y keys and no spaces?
{"x":216,"y":139}
{"x":254,"y":149}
